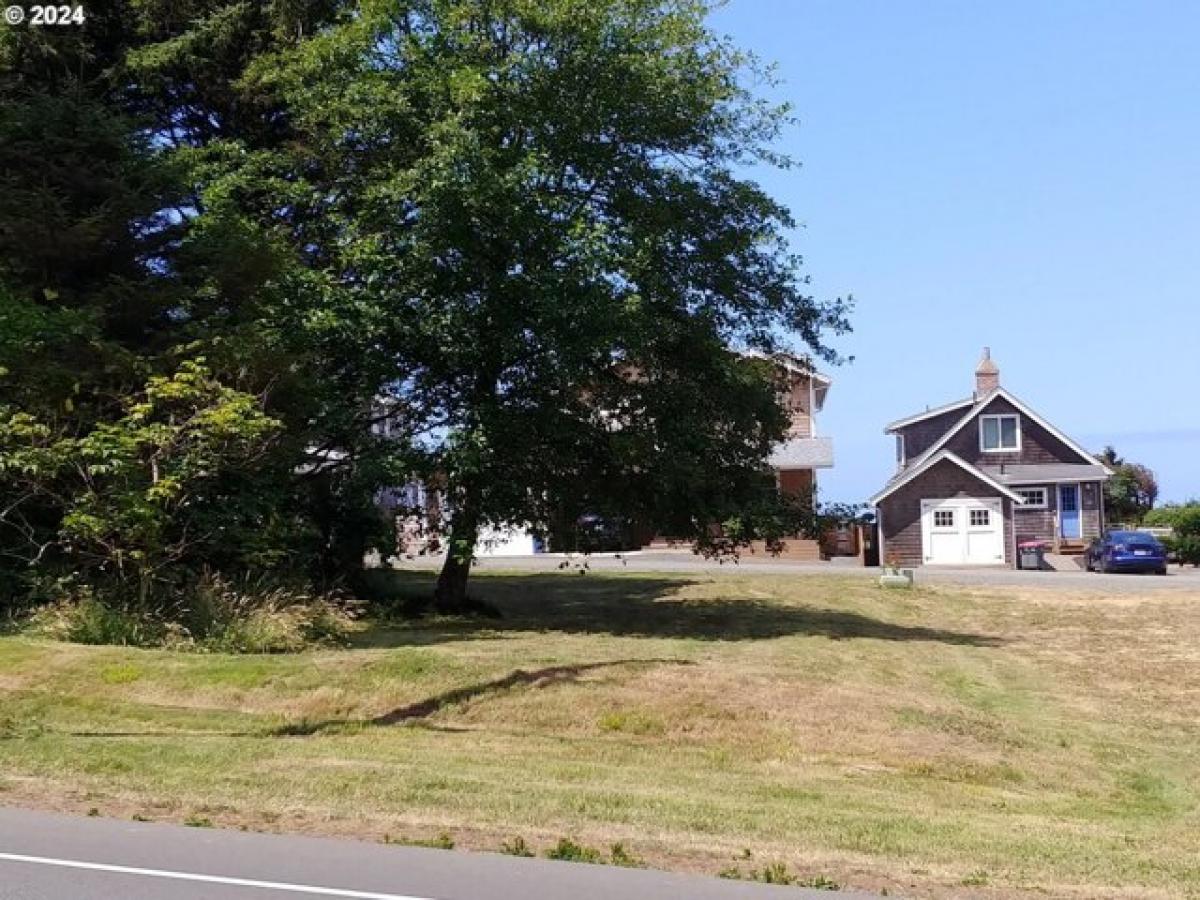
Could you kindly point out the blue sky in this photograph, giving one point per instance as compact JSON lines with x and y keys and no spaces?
{"x":1019,"y":175}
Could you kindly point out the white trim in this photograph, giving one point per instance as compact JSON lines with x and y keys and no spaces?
{"x":1011,"y":525}
{"x":999,"y":417}
{"x":929,"y":463}
{"x":982,"y":404}
{"x":928,"y":414}
{"x":1025,"y":504}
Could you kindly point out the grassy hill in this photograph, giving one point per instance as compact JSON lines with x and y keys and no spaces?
{"x":944,"y":742}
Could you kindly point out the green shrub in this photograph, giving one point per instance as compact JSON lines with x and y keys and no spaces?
{"x":619,"y":856}
{"x":778,"y":873}
{"x":214,"y":615}
{"x":89,"y":620}
{"x":516,"y":847}
{"x":773,"y":873}
{"x":569,"y":851}
{"x":442,"y":842}
{"x":1184,"y":519}
{"x":1184,"y":549}
{"x":257,"y":617}
{"x":819,"y":883}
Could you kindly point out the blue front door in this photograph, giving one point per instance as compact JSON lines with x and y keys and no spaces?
{"x":1069,"y":525}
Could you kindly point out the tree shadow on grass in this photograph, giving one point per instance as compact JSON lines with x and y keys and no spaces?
{"x":643,"y":606}
{"x":417,"y":712}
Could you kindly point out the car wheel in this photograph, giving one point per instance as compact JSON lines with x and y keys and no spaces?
{"x":1162,"y":571}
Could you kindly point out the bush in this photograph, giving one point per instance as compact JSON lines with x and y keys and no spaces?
{"x":88,"y":620}
{"x":225,"y":617}
{"x":1184,"y":519}
{"x":569,"y":851}
{"x":1184,"y":549}
{"x":516,"y":847}
{"x":213,"y":615}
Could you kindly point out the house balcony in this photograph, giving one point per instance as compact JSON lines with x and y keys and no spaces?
{"x":803,"y":453}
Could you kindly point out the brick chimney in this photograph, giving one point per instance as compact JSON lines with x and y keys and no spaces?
{"x":987,"y":374}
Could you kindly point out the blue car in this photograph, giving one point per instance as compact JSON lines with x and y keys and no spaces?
{"x":1127,"y":551}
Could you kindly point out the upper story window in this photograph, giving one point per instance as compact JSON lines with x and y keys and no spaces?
{"x":900,"y":458}
{"x":999,"y":434}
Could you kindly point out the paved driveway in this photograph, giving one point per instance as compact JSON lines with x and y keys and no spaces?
{"x":683,"y":561}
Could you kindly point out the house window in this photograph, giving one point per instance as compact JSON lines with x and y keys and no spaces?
{"x":981,"y":518}
{"x":1035,"y":498}
{"x":998,"y":434}
{"x":900,"y":450}
{"x":943,"y":518}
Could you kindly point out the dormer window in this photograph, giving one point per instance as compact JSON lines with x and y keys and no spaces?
{"x":900,"y":457}
{"x":1000,"y":434}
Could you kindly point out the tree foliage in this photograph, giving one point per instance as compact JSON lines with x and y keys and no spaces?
{"x":558,"y":262}
{"x":1131,"y":492}
{"x":237,"y":237}
{"x":1184,"y":521}
{"x":130,"y":164}
{"x":172,"y":485}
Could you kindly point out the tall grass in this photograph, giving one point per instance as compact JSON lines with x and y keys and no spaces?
{"x":214,"y":614}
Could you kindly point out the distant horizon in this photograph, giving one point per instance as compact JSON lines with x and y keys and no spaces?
{"x":1023,"y":178}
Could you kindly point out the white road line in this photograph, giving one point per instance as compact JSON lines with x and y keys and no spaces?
{"x":210,"y":879}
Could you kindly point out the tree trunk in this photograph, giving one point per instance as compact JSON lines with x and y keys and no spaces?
{"x":450,"y":595}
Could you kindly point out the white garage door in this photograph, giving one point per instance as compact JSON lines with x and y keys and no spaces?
{"x":962,"y":531}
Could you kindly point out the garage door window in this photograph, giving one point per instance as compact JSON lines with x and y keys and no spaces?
{"x":943,"y":518}
{"x":980,"y":518}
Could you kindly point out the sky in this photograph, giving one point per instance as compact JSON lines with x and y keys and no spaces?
{"x":1020,"y":175}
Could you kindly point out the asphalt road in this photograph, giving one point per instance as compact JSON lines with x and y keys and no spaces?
{"x":684,"y":562}
{"x":50,"y":857}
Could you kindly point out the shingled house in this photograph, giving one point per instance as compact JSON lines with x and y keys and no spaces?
{"x":977,"y":477}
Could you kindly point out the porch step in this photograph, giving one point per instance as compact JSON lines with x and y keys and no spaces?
{"x":1071,"y":549}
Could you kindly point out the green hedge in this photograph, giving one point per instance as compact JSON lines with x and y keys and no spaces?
{"x":1183,"y":549}
{"x":1184,"y":519}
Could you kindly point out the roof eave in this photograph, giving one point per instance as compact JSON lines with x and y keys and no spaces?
{"x":893,"y":427}
{"x":932,"y":461}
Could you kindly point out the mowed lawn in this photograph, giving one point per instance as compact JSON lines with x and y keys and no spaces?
{"x":943,"y":742}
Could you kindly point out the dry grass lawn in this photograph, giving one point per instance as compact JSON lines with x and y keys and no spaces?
{"x":945,"y":742}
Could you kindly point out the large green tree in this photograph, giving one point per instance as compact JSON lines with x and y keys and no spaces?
{"x":1131,"y":492}
{"x":135,"y":239}
{"x":539,"y":210}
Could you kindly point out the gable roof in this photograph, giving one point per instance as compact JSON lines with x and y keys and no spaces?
{"x":928,"y":414}
{"x":928,"y":462}
{"x":1022,"y":407}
